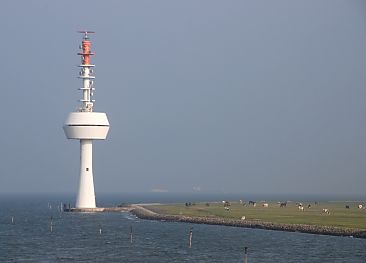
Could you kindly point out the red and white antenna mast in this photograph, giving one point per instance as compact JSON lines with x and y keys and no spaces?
{"x":86,"y":73}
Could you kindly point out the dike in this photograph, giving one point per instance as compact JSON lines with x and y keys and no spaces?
{"x":144,"y":213}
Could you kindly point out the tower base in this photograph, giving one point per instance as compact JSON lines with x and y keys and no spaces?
{"x":86,"y":195}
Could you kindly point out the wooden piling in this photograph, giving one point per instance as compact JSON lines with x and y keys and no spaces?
{"x":131,"y":234}
{"x":51,"y":224}
{"x":190,"y":236}
{"x":245,"y":254}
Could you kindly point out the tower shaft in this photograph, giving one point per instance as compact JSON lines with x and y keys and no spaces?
{"x":86,"y":194}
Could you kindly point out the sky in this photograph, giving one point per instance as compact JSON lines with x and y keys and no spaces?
{"x":209,"y":96}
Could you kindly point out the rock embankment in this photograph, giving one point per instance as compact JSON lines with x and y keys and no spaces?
{"x":98,"y":209}
{"x":144,"y":213}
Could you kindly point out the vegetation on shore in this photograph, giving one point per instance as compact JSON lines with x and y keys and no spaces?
{"x":312,"y":214}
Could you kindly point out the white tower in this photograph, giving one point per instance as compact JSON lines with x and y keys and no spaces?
{"x":86,"y":126}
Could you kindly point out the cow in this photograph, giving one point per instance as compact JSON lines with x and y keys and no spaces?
{"x":360,"y":206}
{"x":265,"y":205}
{"x":284,"y":204}
{"x":252,"y":203}
{"x":326,"y":211}
{"x":301,"y":208}
{"x":347,"y":206}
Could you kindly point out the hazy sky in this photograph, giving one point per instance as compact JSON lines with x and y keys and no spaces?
{"x":227,"y":96}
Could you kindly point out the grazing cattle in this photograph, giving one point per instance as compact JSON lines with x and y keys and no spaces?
{"x":360,"y":206}
{"x":252,"y":203}
{"x":301,"y":208}
{"x":243,"y":218}
{"x":284,"y":204}
{"x":309,"y":205}
{"x":265,"y":205}
{"x":347,"y":206}
{"x":326,"y":210}
{"x":227,"y":208}
{"x":226,"y":203}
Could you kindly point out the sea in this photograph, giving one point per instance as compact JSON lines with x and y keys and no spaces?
{"x":34,"y":229}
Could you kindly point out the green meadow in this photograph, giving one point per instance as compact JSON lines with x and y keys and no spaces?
{"x":338,"y":216}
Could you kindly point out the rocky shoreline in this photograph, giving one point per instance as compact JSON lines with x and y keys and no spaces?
{"x":144,"y":213}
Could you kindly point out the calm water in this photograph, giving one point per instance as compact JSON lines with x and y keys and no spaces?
{"x":76,"y":238}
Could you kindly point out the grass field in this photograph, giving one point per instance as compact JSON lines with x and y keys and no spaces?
{"x":339,"y":215}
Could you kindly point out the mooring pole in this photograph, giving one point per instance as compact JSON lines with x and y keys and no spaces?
{"x":51,"y":224}
{"x":131,"y":234}
{"x":245,"y":254}
{"x":190,"y":237}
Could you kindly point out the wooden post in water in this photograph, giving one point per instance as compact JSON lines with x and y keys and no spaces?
{"x":12,"y":220}
{"x":245,"y":254}
{"x":131,"y":234}
{"x":190,"y":236}
{"x":51,"y":224}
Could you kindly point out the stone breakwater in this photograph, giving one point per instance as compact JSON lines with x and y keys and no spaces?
{"x":97,"y":209}
{"x":145,"y":213}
